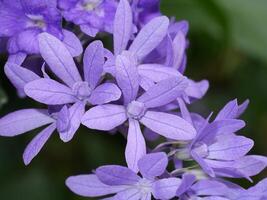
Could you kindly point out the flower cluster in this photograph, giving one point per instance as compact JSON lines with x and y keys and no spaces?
{"x":137,"y":89}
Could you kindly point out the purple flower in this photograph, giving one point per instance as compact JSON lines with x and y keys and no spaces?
{"x":218,"y":150}
{"x":144,"y":11}
{"x":75,"y":89}
{"x":141,"y":109}
{"x":91,"y":15}
{"x":22,"y":21}
{"x":112,"y":179}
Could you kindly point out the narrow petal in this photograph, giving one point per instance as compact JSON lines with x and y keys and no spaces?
{"x":127,"y":78}
{"x":184,"y":111}
{"x":157,"y":72}
{"x":136,"y":146}
{"x":90,"y":186}
{"x":242,"y":108}
{"x":150,"y":37}
{"x":186,"y":184}
{"x":166,"y":188}
{"x":49,"y":92}
{"x":19,"y":76}
{"x":230,"y":148}
{"x":123,"y":23}
{"x":164,"y":92}
{"x":76,"y":112}
{"x":229,"y":111}
{"x":35,"y":146}
{"x":168,"y":125}
{"x":72,"y":42}
{"x":105,"y":93}
{"x":153,"y":164}
{"x":93,"y":62}
{"x":179,"y":47}
{"x":104,"y":117}
{"x":116,"y":175}
{"x":22,"y":121}
{"x":59,"y":59}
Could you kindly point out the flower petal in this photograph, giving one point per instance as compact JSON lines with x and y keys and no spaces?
{"x":90,"y":186}
{"x":35,"y":146}
{"x":116,"y":175}
{"x":166,"y":188}
{"x":153,"y":164}
{"x":127,"y":78}
{"x":136,"y":146}
{"x":163,"y":92}
{"x":22,"y":121}
{"x":150,"y":37}
{"x":18,"y":75}
{"x":105,"y":93}
{"x":179,"y":47}
{"x":72,"y":43}
{"x":230,"y":147}
{"x":123,"y":23}
{"x":93,"y":62}
{"x":58,"y":58}
{"x":76,"y":111}
{"x":168,"y":125}
{"x":157,"y":72}
{"x":104,"y":117}
{"x":49,"y":92}
{"x":129,"y":194}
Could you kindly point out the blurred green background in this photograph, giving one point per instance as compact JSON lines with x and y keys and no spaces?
{"x":228,"y":46}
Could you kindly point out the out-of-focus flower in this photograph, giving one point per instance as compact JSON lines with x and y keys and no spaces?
{"x":92,"y":16}
{"x":22,"y":21}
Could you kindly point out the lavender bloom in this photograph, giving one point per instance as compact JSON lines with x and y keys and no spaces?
{"x":22,"y":21}
{"x":75,"y":90}
{"x":151,"y":37}
{"x":91,"y":15}
{"x":218,"y":150}
{"x":112,"y":179}
{"x":147,"y":39}
{"x":141,"y":109}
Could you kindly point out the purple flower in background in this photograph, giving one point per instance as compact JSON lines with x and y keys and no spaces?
{"x":75,"y":90}
{"x":91,"y":15}
{"x":125,"y":183}
{"x":218,"y":150}
{"x":141,"y":109}
{"x":144,"y":11}
{"x":22,"y":21}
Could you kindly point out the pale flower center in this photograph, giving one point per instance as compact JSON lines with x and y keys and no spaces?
{"x":36,"y":21}
{"x":136,"y":110}
{"x":91,"y":4}
{"x":82,"y":90}
{"x":144,"y":186}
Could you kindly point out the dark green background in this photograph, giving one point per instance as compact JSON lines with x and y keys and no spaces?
{"x":228,"y":46}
